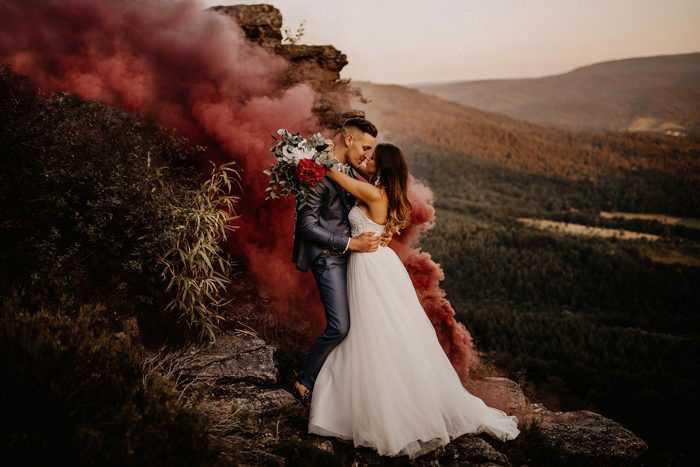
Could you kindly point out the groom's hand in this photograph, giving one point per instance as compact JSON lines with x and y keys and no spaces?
{"x":385,"y":238}
{"x":364,"y":242}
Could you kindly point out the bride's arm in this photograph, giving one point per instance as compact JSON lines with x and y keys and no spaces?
{"x":359,"y":189}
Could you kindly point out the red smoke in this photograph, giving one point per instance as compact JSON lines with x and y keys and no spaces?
{"x":191,"y":69}
{"x":426,"y":276}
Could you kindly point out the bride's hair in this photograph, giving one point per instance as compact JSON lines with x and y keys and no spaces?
{"x":393,"y":177}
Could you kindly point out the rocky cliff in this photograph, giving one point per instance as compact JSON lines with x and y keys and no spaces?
{"x":317,"y":65}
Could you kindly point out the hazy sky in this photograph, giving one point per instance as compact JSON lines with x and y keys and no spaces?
{"x":394,"y":41}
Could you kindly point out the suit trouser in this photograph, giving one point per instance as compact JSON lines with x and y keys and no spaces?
{"x":330,"y":272}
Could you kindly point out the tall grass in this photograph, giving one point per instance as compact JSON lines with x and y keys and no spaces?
{"x":197,"y":268}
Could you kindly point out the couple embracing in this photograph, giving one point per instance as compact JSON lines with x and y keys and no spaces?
{"x":377,"y":376}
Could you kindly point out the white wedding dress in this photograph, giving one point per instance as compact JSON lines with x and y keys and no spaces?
{"x":389,"y":384}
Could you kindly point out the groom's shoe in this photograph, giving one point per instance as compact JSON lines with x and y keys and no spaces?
{"x":306,"y":398}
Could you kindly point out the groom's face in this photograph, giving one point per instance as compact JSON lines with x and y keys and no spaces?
{"x":360,"y":146}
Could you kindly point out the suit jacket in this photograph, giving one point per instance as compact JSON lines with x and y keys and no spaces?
{"x":322,"y":223}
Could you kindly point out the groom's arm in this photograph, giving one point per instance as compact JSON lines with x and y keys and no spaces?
{"x":309,"y":221}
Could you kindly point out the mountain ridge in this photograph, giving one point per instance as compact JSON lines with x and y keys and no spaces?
{"x":411,"y":115}
{"x":654,"y":93}
{"x":572,"y":70}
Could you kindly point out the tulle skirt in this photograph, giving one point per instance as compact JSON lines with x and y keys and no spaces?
{"x":389,"y":385}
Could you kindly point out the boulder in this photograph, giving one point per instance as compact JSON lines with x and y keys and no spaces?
{"x":249,"y":397}
{"x":237,"y":372}
{"x":583,"y":436}
{"x":473,"y":451}
{"x":501,"y":393}
{"x":235,"y":357}
{"x":579,"y":437}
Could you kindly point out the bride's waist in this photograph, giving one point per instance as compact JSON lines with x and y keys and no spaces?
{"x":355,"y":234}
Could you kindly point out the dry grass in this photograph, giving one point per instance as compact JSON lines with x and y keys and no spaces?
{"x":663,"y":218}
{"x":580,"y":229}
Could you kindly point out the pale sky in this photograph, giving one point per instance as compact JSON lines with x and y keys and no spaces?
{"x":403,"y":42}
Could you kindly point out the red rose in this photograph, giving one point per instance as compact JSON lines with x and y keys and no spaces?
{"x":309,"y":172}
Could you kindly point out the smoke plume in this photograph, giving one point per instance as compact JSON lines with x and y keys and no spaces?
{"x":184,"y":67}
{"x":426,"y":275}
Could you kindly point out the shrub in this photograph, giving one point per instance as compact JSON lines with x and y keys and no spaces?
{"x":75,"y":393}
{"x":95,"y":203}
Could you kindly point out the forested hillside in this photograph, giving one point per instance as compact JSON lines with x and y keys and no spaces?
{"x":592,"y":322}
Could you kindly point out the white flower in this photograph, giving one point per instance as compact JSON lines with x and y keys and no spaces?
{"x":294,"y":154}
{"x":302,"y":153}
{"x":288,"y":152}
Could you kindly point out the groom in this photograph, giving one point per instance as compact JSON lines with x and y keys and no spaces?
{"x":322,"y":240}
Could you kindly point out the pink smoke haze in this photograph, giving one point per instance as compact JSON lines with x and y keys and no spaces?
{"x":183,"y":67}
{"x":426,"y":275}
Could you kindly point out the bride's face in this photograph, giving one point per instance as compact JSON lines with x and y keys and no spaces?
{"x":370,"y":165}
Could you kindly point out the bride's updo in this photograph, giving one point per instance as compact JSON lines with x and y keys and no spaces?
{"x":393,"y":177}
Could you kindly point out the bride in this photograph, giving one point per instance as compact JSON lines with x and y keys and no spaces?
{"x":389,"y":385}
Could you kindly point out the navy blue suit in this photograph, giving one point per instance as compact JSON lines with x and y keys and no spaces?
{"x":321,"y":233}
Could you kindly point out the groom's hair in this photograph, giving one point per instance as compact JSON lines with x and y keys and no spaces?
{"x":361,"y":124}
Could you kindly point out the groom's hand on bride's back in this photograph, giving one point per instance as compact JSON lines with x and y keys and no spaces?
{"x":365,"y":242}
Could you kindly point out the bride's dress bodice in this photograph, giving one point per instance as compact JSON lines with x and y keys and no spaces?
{"x":359,"y":222}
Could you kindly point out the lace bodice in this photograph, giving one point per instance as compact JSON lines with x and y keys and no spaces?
{"x":360,"y":223}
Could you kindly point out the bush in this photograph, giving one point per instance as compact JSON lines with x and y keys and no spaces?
{"x":95,"y":199}
{"x":75,"y":393}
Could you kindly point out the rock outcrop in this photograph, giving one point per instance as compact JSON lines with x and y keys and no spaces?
{"x":237,"y":372}
{"x":501,"y":393}
{"x":262,"y":24}
{"x":237,"y":378}
{"x":586,"y":436}
{"x":317,"y":65}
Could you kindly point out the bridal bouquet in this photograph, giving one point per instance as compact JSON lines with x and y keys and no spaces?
{"x":301,"y":164}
